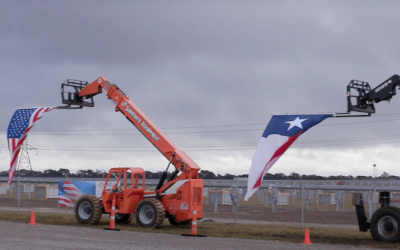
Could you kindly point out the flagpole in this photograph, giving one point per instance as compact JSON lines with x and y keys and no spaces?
{"x":237,"y":201}
{"x":334,"y":114}
{"x":19,"y":192}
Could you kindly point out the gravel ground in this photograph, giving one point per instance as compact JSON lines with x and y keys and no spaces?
{"x":45,"y":237}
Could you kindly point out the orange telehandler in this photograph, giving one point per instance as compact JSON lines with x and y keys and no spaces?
{"x":179,"y":198}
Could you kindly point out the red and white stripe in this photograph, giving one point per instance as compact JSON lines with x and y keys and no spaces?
{"x":64,"y":201}
{"x":72,"y":192}
{"x":268,"y":151}
{"x":14,"y":144}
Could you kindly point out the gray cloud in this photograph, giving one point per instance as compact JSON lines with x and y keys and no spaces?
{"x":197,"y":64}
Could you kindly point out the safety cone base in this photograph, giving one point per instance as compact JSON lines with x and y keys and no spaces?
{"x":112,"y":229}
{"x":197,"y":235}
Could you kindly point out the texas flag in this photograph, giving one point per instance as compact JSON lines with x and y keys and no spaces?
{"x":280,"y":133}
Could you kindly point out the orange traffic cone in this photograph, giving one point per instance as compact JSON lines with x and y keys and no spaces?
{"x":33,"y":219}
{"x":194,"y":224}
{"x":112,"y":216}
{"x":194,"y":227}
{"x":307,"y":240}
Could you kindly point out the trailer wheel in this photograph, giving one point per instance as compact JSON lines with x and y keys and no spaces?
{"x":150,"y":213}
{"x":88,"y":210}
{"x":385,"y":224}
{"x":123,"y":218}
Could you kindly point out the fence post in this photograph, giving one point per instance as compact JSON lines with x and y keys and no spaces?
{"x":234,"y":200}
{"x":308,"y":197}
{"x":293,"y":194}
{"x":343,"y":200}
{"x":338,"y":199}
{"x":302,"y":206}
{"x":19,"y":193}
{"x":274,"y":198}
{"x":29,"y":190}
{"x":371,"y":201}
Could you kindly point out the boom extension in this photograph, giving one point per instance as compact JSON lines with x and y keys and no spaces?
{"x":70,"y":90}
{"x":84,"y":91}
{"x":367,"y":97}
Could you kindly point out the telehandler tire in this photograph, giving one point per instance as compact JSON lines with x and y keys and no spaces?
{"x":150,"y":213}
{"x":88,"y":210}
{"x":385,"y":224}
{"x":123,"y":218}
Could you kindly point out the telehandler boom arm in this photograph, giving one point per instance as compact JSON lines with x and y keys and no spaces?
{"x":177,"y":157}
{"x":367,"y":97}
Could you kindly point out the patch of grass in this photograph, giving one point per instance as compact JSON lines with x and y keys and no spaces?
{"x":212,"y":229}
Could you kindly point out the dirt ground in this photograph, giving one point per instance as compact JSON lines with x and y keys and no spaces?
{"x":256,"y":212}
{"x":26,"y":203}
{"x":283,"y":215}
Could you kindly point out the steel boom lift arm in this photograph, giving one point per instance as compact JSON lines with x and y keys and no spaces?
{"x":367,"y":97}
{"x":182,"y":162}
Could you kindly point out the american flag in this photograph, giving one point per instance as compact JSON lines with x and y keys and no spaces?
{"x":20,"y":125}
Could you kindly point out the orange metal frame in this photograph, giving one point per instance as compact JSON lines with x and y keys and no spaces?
{"x":128,"y":197}
{"x":189,"y":196}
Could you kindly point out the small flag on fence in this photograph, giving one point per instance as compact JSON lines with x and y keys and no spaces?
{"x":69,"y":192}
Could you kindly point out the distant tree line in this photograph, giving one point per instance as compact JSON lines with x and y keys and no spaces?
{"x":204,"y":174}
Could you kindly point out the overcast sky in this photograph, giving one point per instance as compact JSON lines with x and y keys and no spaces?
{"x":209,"y":73}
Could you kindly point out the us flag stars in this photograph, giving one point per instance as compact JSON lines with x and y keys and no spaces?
{"x":19,"y":122}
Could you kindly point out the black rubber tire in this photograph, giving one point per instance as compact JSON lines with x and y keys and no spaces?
{"x":385,"y":223}
{"x":88,"y":210}
{"x":150,"y":213}
{"x":123,"y":218}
